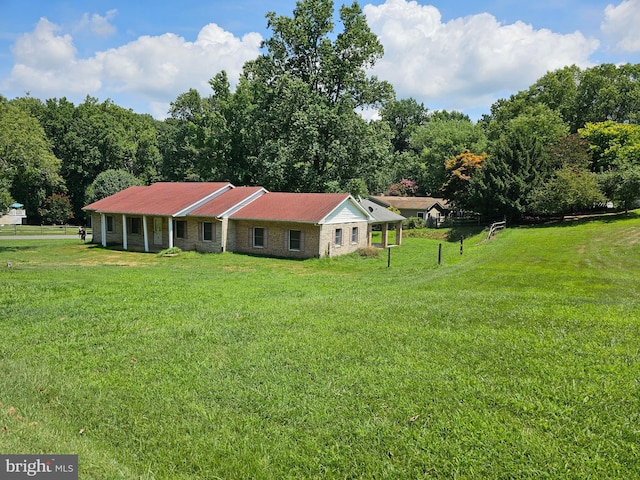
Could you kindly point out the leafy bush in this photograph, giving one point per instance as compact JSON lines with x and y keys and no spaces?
{"x":369,"y":252}
{"x":412,"y":223}
{"x":56,"y":209}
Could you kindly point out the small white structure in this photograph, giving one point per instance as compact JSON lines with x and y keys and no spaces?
{"x":14,"y":216}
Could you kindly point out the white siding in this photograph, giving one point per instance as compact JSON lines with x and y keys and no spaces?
{"x":346,"y":212}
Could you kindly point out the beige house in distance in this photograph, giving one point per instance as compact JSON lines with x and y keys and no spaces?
{"x":428,"y":208}
{"x":217,"y":217}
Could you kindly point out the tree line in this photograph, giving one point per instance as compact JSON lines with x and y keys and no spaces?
{"x":294,"y":122}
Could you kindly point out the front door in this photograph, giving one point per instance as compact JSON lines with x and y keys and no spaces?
{"x":157,"y":230}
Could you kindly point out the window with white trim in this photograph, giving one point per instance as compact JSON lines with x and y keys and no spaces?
{"x":354,"y":235}
{"x":295,"y":240}
{"x":259,"y":237}
{"x":338,"y":237}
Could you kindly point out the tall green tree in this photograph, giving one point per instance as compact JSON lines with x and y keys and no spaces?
{"x":439,"y":140}
{"x":616,"y":158}
{"x":305,"y":91}
{"x":56,"y":209}
{"x":94,"y":137}
{"x":29,"y":171}
{"x":572,"y":187}
{"x":403,"y":117}
{"x":608,"y":92}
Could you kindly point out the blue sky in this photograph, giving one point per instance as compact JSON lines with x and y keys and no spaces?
{"x":461,"y":55}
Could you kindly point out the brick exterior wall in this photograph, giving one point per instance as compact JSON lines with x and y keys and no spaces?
{"x":194,"y":240}
{"x":328,"y":246}
{"x":317,"y":240}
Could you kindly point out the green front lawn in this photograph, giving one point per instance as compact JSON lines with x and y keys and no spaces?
{"x":518,"y":359}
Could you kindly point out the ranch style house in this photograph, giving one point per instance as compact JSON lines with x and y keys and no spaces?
{"x":218,"y":216}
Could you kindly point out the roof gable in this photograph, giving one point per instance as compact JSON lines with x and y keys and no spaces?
{"x":162,"y":198}
{"x":221,"y":204}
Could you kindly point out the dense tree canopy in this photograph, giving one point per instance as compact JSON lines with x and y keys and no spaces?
{"x":29,"y":171}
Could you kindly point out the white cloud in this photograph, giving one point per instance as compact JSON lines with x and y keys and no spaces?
{"x":169,"y":64}
{"x":467,"y":62}
{"x":98,"y":24}
{"x":621,"y":24}
{"x":155,"y":69}
{"x":43,"y":49}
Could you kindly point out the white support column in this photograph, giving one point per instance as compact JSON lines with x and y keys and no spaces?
{"x":145,"y":233}
{"x":170,"y":232}
{"x":124,"y":232}
{"x":224,"y":225}
{"x":103,"y":229}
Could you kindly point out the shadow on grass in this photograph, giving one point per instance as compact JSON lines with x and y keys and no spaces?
{"x":456,"y":233}
{"x":574,"y":220}
{"x":14,"y":248}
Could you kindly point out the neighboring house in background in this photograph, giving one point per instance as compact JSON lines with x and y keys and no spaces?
{"x":15,"y":216}
{"x":217,"y":217}
{"x":430,"y":209}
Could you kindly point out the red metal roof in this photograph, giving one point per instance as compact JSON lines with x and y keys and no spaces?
{"x":291,"y":207}
{"x":162,"y":198}
{"x":224,"y":202}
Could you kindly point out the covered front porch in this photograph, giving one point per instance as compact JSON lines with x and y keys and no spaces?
{"x":148,"y":233}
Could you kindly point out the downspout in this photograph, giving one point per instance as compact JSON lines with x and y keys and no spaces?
{"x":145,"y":233}
{"x":124,"y":232}
{"x":170,"y":232}
{"x":103,"y":229}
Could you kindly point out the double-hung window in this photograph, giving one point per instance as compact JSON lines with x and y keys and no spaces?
{"x":181,"y":229}
{"x":338,"y":236}
{"x":135,"y":225}
{"x":259,"y":237}
{"x":354,"y":235}
{"x":295,"y":240}
{"x":110,"y":224}
{"x":207,"y":231}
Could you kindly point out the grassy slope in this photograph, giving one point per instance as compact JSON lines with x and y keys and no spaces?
{"x":519,"y":359}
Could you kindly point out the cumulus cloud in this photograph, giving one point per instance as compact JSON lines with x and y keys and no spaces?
{"x":154,"y":68}
{"x":466,"y":62}
{"x":44,"y":48}
{"x":621,"y":24}
{"x":98,"y":24}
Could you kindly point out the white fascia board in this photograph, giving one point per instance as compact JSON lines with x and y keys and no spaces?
{"x":243,"y":203}
{"x":185,"y":211}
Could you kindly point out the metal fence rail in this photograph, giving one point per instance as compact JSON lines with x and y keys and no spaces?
{"x":495,"y":227}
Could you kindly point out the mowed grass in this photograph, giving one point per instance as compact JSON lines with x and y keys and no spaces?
{"x":518,"y":359}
